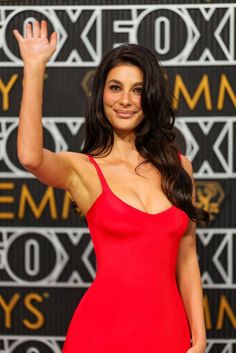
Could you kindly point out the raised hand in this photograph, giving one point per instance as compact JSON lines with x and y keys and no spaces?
{"x":36,"y":47}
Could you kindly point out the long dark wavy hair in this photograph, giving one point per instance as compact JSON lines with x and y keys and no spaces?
{"x":154,"y":135}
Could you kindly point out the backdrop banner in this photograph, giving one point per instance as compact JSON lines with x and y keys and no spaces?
{"x":47,"y":259}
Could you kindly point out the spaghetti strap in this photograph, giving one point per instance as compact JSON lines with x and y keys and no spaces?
{"x":179,"y":155}
{"x":99,"y":172}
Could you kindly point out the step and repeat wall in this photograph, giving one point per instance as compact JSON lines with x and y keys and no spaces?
{"x":47,"y":259}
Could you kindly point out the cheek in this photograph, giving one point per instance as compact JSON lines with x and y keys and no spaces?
{"x":109,"y":98}
{"x":137,"y":102}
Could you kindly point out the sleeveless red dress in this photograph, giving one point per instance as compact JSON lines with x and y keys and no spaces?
{"x":133,"y":304}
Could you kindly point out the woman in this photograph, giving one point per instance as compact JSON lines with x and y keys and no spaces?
{"x":147,"y":294}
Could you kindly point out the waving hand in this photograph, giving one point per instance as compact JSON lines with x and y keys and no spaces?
{"x":35,"y":46}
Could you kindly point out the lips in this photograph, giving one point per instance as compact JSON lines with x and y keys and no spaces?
{"x":125,"y":113}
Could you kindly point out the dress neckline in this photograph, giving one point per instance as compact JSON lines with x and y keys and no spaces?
{"x":168,"y":209}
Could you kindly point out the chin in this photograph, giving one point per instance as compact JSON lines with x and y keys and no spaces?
{"x":124,"y":124}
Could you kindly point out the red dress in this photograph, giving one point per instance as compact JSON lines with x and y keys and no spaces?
{"x":133,"y":304}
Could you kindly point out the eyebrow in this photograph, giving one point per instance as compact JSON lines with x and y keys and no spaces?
{"x":117,"y":81}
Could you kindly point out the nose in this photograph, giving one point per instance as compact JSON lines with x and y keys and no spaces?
{"x":125,"y":99}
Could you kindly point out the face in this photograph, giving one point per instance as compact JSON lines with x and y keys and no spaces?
{"x":122,"y":97}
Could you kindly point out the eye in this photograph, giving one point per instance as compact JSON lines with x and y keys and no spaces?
{"x":114,"y":87}
{"x":138,"y":90}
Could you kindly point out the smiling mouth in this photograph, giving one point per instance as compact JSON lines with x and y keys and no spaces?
{"x":125,"y":113}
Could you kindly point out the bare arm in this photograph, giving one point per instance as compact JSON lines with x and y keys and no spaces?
{"x":189,"y":278}
{"x":55,"y":169}
{"x":30,"y":136}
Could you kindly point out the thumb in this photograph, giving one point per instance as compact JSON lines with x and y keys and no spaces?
{"x":53,"y":39}
{"x":17,"y":35}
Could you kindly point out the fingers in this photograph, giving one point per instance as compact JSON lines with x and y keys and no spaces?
{"x":17,"y":35}
{"x":44,"y":29}
{"x":40,"y":31}
{"x":36,"y":29}
{"x":53,"y":39}
{"x":28,"y":34}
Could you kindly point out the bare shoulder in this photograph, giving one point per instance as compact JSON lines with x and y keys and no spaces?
{"x":84,"y":171}
{"x":79,"y":162}
{"x":85,"y":184}
{"x":75,"y":158}
{"x":187,"y":164}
